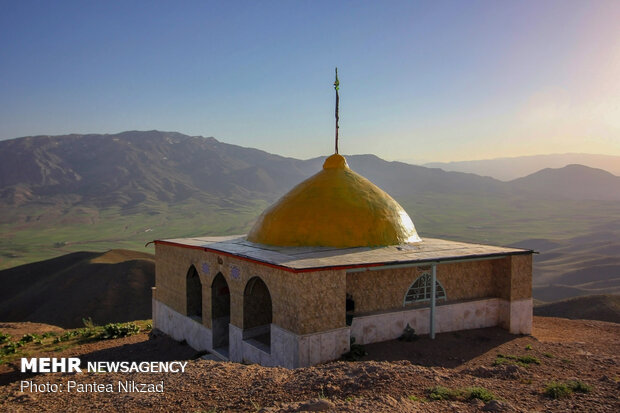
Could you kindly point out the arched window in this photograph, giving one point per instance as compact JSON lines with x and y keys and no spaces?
{"x":257,"y":314}
{"x":420,"y":290}
{"x":193,"y":291}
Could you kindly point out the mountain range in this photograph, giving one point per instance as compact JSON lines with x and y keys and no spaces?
{"x":507,"y":169}
{"x":63,"y":194}
{"x":133,"y":168}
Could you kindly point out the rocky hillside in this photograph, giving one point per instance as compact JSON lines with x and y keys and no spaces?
{"x":564,"y":366}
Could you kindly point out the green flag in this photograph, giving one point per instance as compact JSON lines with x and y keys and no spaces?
{"x":336,"y":83}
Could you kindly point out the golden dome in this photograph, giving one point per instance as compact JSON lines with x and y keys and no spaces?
{"x":334,"y":208}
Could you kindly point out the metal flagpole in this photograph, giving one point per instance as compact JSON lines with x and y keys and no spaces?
{"x":337,"y":86}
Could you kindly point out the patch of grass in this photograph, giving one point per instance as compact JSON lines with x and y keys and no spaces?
{"x":468,"y":393}
{"x":118,"y":330}
{"x":579,"y":386}
{"x":4,"y":337}
{"x":54,"y":342}
{"x":478,"y":393}
{"x":528,"y":347}
{"x":548,"y":355}
{"x":28,"y":338}
{"x":443,"y":393}
{"x":523,"y":361}
{"x":557,"y":390}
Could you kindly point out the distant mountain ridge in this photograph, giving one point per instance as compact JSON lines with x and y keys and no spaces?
{"x":507,"y":169}
{"x":571,"y":182}
{"x":134,"y":168}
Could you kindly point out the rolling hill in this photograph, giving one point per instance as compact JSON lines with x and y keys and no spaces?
{"x":602,"y":307}
{"x":107,"y":287}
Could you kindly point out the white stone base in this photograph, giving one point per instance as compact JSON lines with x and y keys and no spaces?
{"x":290,"y":350}
{"x":448,"y":317}
{"x":287,"y":349}
{"x":516,"y":316}
{"x":181,"y":327}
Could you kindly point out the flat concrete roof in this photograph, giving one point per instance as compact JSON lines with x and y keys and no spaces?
{"x":306,"y":259}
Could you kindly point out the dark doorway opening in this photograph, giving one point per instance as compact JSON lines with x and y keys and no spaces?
{"x":193,"y":291}
{"x":220,"y":313}
{"x":257,"y":314}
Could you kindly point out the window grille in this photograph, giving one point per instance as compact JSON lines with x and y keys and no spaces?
{"x":420,"y":290}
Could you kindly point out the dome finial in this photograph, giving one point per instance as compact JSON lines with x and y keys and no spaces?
{"x":337,"y":86}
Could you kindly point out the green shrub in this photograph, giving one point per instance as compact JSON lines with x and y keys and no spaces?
{"x":579,"y":386}
{"x":519,"y":360}
{"x":479,"y":393}
{"x":27,"y":338}
{"x":4,"y":337}
{"x":118,"y":330}
{"x":11,"y":348}
{"x":528,"y":360}
{"x":557,"y":390}
{"x":443,"y":393}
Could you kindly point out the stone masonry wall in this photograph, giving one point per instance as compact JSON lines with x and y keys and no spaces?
{"x":302,"y":303}
{"x":386,"y":289}
{"x":514,"y":277}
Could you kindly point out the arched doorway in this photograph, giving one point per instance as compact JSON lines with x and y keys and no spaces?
{"x":193,"y":294}
{"x":220,"y":311}
{"x":257,"y":313}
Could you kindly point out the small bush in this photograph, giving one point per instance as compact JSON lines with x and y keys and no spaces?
{"x":528,"y":360}
{"x":356,"y":351}
{"x":557,"y":390}
{"x":88,"y":322}
{"x":548,"y":355}
{"x":408,"y":334}
{"x":118,"y":330}
{"x":479,"y":393}
{"x":528,"y":347}
{"x":579,"y":386}
{"x":443,"y":393}
{"x":27,"y":338}
{"x":519,"y":360}
{"x":11,"y":348}
{"x":4,"y":337}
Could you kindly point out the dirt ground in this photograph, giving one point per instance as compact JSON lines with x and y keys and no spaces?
{"x":394,"y":377}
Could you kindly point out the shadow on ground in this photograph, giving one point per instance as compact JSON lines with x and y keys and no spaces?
{"x":446,"y":350}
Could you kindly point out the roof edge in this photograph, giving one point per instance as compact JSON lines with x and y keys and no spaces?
{"x":351,"y":266}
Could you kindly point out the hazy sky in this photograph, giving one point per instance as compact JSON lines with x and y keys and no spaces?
{"x":432,"y":80}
